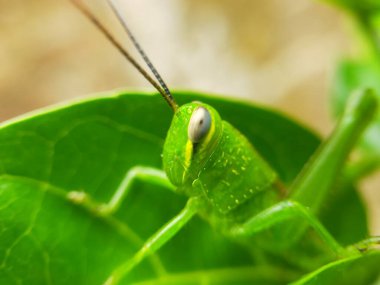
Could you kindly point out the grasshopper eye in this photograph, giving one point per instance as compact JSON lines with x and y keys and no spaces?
{"x":199,"y":124}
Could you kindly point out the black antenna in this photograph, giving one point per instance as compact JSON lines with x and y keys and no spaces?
{"x":139,"y":49}
{"x":161,"y":86}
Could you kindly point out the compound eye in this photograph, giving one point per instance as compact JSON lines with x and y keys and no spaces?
{"x":199,"y":125}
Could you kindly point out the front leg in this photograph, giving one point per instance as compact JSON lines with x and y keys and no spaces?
{"x":157,"y":240}
{"x":147,"y":174}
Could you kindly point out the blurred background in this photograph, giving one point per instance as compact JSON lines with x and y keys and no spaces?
{"x":279,"y":53}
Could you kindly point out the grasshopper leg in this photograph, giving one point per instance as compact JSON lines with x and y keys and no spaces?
{"x":148,"y":174}
{"x":323,"y":168}
{"x":367,"y":244}
{"x":157,"y":240}
{"x":283,"y":211}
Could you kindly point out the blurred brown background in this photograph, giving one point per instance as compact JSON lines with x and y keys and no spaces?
{"x":280,"y":53}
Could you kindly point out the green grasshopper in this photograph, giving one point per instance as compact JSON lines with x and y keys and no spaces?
{"x":226,"y":180}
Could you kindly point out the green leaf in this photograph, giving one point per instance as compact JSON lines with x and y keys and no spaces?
{"x":89,"y":146}
{"x":350,"y":271}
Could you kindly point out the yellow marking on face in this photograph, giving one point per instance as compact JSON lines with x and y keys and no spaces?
{"x":188,"y":157}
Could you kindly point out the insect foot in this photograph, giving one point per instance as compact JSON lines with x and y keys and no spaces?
{"x":84,"y":200}
{"x":77,"y":197}
{"x":372,"y":243}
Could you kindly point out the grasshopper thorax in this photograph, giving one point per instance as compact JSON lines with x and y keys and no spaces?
{"x":192,"y":136}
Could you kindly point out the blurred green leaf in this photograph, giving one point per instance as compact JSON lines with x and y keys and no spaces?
{"x":351,"y":271}
{"x":89,"y":146}
{"x":358,"y":6}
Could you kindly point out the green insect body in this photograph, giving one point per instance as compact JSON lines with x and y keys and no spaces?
{"x":224,"y":171}
{"x":223,"y":168}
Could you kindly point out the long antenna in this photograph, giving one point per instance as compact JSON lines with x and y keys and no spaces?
{"x":161,"y":86}
{"x":139,"y":48}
